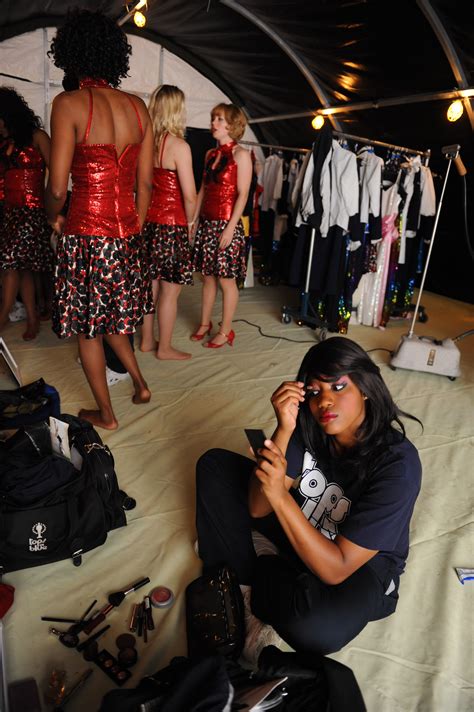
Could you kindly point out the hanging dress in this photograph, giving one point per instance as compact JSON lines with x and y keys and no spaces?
{"x":370,"y":293}
{"x":220,"y":195}
{"x":166,"y":230}
{"x":24,"y":242}
{"x":99,"y":286}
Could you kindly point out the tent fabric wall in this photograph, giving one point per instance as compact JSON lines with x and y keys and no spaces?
{"x":40,"y":81}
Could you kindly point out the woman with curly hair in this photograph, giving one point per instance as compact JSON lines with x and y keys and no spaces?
{"x":219,"y":249}
{"x":103,"y":137}
{"x":24,"y":241}
{"x":169,"y":218}
{"x":326,"y":509}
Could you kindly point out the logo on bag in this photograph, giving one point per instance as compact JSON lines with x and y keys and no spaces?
{"x":38,"y":544}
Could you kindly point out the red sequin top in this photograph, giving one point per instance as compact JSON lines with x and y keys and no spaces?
{"x":166,"y":206}
{"x":103,"y":184}
{"x":4,"y":143}
{"x":24,"y":179}
{"x":220,"y":184}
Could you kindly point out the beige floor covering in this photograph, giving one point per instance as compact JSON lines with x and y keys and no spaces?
{"x":420,"y":659}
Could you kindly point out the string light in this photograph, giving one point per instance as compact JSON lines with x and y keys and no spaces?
{"x":318,"y":122}
{"x":139,"y":19}
{"x":455,"y":110}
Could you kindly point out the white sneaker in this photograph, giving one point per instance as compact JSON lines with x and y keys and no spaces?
{"x":257,"y":634}
{"x":114,"y":377}
{"x":18,"y":312}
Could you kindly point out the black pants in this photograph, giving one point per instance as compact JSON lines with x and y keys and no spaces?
{"x":308,"y":614}
{"x":111,"y":358}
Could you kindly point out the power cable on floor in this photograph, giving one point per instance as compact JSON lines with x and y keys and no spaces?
{"x":271,"y":336}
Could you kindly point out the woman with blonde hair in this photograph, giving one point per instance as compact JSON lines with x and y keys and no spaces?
{"x":219,"y":250}
{"x":169,"y":218}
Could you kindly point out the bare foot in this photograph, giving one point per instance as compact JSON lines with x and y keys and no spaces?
{"x":95,"y":417}
{"x":142,"y":394}
{"x":146,"y":346}
{"x":31,"y":331}
{"x":172,"y":354}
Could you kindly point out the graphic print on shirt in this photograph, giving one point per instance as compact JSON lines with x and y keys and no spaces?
{"x":324,"y":503}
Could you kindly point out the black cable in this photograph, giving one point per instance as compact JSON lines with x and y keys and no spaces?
{"x":270,"y":336}
{"x":379,"y":348}
{"x":466,"y":226}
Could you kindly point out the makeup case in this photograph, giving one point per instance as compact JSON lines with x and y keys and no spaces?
{"x":49,"y":509}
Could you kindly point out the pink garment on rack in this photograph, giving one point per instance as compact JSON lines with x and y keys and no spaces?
{"x":369,"y":296}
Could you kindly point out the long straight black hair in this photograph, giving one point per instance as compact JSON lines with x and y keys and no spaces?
{"x":328,"y":361}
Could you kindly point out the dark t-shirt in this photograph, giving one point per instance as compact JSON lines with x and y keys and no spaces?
{"x":374,"y":514}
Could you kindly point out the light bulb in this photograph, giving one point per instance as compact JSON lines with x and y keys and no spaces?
{"x":317,"y":122}
{"x":139,"y":19}
{"x":455,"y":110}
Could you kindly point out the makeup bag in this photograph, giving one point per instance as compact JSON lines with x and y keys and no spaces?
{"x":215,"y":613}
{"x":49,"y":510}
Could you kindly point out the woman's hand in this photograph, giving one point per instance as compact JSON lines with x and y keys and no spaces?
{"x":271,"y":472}
{"x":226,"y":237}
{"x":286,"y":401}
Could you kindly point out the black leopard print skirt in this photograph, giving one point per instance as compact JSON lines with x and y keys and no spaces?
{"x":169,"y":253}
{"x":25,"y":240}
{"x":209,"y":260}
{"x":101,"y":285}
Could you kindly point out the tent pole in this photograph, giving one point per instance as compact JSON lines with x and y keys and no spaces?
{"x":295,"y":58}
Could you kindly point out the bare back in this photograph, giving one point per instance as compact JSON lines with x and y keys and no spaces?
{"x":114,"y":118}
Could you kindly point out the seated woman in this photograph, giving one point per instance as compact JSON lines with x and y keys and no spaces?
{"x":332,"y":494}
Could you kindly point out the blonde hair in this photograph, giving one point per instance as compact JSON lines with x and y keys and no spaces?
{"x":167,"y":111}
{"x":235,"y":119}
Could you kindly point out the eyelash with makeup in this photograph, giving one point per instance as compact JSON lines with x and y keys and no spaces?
{"x":337,"y":387}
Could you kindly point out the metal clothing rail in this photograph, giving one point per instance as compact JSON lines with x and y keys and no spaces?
{"x":360,"y":139}
{"x":341,"y":134}
{"x":277,"y":148}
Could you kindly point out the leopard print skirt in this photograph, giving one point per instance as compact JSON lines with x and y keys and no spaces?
{"x":169,"y":253}
{"x":209,"y":260}
{"x":25,"y":240}
{"x":102,"y":285}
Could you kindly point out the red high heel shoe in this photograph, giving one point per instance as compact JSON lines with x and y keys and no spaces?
{"x":199,"y":337}
{"x":229,"y":340}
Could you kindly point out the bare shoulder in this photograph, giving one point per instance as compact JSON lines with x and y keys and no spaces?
{"x":40,"y":135}
{"x":180,"y":146}
{"x":241,"y":155}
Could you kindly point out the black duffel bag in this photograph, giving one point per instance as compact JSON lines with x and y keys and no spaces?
{"x":49,"y":510}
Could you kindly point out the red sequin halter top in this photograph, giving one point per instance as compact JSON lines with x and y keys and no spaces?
{"x":24,"y":179}
{"x":103,"y":183}
{"x":166,"y":206}
{"x":220,"y":183}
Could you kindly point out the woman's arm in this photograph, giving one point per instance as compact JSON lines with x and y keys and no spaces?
{"x":63,"y":142}
{"x":285,"y":402}
{"x":184,"y":167}
{"x":41,"y":141}
{"x":144,"y":168}
{"x":333,"y":561}
{"x":244,"y":178}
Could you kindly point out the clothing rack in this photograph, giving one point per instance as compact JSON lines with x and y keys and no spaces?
{"x":304,"y":313}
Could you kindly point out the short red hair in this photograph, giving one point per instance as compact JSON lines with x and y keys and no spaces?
{"x":235,"y":119}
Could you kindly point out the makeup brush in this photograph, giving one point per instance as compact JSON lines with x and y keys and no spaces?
{"x":115,"y":599}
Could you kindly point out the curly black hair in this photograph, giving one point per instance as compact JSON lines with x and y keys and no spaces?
{"x":20,"y":121}
{"x":90,"y":44}
{"x":328,"y":361}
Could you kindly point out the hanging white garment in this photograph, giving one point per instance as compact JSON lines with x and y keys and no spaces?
{"x":272,"y":182}
{"x":428,"y":195}
{"x":370,"y":184}
{"x":307,"y":200}
{"x":339,"y":188}
{"x":412,"y":167}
